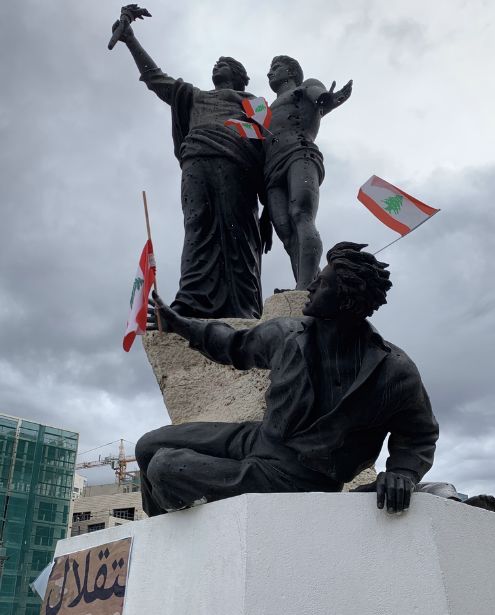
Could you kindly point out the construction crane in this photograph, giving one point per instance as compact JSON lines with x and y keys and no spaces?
{"x":118,"y":463}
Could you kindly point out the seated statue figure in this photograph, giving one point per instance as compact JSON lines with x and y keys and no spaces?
{"x":337,"y":389}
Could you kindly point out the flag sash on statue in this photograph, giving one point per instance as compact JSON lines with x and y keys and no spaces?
{"x":145,"y":276}
{"x":258,"y":110}
{"x":398,"y":210}
{"x":245,"y":129}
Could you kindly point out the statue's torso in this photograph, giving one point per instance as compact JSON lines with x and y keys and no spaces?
{"x":318,"y":376}
{"x":215,"y":107}
{"x":295,"y":117}
{"x":208,"y":137}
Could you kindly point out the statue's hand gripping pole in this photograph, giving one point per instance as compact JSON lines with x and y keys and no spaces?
{"x":128,"y":14}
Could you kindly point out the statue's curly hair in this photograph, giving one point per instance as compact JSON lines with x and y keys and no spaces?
{"x":362,"y":280}
{"x":241,"y":78}
{"x":293,"y":67}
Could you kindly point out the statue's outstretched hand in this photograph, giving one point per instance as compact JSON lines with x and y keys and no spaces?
{"x":152,"y":318}
{"x":331,"y":99}
{"x":157,"y":310}
{"x":170,"y":320}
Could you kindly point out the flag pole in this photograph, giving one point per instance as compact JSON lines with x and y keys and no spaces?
{"x":148,"y":230}
{"x":388,"y":245}
{"x":413,"y":229}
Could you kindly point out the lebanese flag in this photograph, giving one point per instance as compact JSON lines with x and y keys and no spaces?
{"x":245,"y":129}
{"x":394,"y":207}
{"x":258,"y":110}
{"x":145,"y":276}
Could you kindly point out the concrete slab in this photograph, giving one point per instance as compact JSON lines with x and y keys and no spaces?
{"x":309,"y":554}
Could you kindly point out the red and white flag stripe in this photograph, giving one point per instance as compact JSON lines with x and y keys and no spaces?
{"x":138,"y":314}
{"x":258,"y":110}
{"x":245,"y":129}
{"x":398,"y":210}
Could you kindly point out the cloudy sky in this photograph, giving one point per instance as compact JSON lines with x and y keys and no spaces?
{"x":80,"y":137}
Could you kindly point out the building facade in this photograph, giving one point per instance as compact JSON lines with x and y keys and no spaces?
{"x":78,"y":487}
{"x":103,"y":506}
{"x":37,"y":465}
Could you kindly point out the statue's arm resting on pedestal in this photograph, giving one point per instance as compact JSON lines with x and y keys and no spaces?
{"x":413,"y":433}
{"x":242,"y":348}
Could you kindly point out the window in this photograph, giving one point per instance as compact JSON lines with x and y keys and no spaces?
{"x":47,"y":511}
{"x":95,"y":527}
{"x":13,"y":533}
{"x":8,"y":585}
{"x":17,"y":508}
{"x":124,"y":513}
{"x":81,"y":516}
{"x":41,"y":559}
{"x":43,"y":536}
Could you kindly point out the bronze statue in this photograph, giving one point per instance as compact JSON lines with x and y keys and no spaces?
{"x":222,"y":175}
{"x":294,"y":164}
{"x":337,"y":389}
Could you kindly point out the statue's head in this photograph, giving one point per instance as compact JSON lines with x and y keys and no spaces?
{"x":354,"y":283}
{"x":229,"y":70}
{"x":283,"y":69}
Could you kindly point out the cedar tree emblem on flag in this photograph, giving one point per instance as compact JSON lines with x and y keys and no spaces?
{"x":398,"y":210}
{"x":393,"y":204}
{"x":145,"y":276}
{"x":247,"y":130}
{"x":257,"y":110}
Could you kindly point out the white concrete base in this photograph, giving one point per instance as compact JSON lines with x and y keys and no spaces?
{"x":309,"y":554}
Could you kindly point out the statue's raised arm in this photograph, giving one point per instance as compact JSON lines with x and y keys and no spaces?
{"x":156,"y":80}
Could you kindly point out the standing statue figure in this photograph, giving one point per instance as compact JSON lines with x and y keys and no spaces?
{"x":294,"y":164}
{"x":222,"y":175}
{"x":337,"y":389}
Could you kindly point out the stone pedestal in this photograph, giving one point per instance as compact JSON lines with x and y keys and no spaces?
{"x":308,"y":554}
{"x":196,"y":389}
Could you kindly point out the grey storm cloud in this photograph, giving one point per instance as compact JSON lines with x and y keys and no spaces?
{"x":81,"y":137}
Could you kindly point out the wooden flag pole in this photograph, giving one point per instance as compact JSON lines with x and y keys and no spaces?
{"x":148,"y":230}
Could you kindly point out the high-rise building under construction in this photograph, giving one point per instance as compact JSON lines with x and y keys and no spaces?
{"x":37,"y":465}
